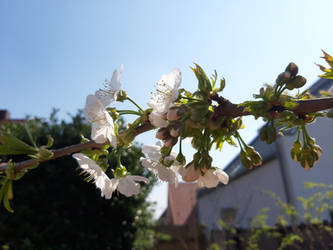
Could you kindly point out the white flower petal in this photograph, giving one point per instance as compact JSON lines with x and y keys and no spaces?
{"x":94,"y":109}
{"x":223,"y":176}
{"x":139,"y":178}
{"x":167,"y":92}
{"x":102,"y":181}
{"x":128,"y":187}
{"x":152,"y":152}
{"x":157,"y":120}
{"x":102,"y":127}
{"x":212,"y":177}
{"x":111,"y":88}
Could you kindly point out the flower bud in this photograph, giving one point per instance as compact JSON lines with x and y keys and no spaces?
{"x":122,"y":96}
{"x":174,"y":132}
{"x":298,"y":82}
{"x":283,"y":78}
{"x":292,"y":69}
{"x":171,"y":142}
{"x":181,"y":158}
{"x":296,"y":150}
{"x":254,"y":156}
{"x":162,"y":134}
{"x":173,"y":114}
{"x":246,"y":161}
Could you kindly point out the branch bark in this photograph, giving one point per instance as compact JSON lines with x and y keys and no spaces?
{"x":225,"y":108}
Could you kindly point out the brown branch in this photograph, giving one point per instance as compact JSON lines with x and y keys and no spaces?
{"x":57,"y":153}
{"x":225,"y":108}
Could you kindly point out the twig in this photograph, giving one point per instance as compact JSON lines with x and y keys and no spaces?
{"x":225,"y":108}
{"x":57,"y":153}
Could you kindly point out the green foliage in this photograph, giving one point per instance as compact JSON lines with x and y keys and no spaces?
{"x":56,"y":209}
{"x":10,"y":145}
{"x":286,"y":232}
{"x":328,"y":71}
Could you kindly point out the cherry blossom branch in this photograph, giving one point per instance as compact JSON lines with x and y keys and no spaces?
{"x":224,"y":108}
{"x":57,"y":153}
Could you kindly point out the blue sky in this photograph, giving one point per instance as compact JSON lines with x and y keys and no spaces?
{"x":55,"y":53}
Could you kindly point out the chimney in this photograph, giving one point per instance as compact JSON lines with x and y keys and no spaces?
{"x":4,"y":115}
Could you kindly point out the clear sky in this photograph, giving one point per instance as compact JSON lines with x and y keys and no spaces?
{"x":55,"y":53}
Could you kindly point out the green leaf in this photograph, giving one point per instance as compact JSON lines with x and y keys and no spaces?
{"x":328,"y":75}
{"x":10,"y":145}
{"x":6,"y":203}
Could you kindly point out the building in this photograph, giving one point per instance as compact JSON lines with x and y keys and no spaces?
{"x":182,"y":201}
{"x":5,"y":117}
{"x":240,"y":200}
{"x":180,"y":220}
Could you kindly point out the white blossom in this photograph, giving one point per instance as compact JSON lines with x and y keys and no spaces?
{"x":126,"y":185}
{"x":152,"y":163}
{"x":102,"y":123}
{"x":212,"y":177}
{"x":167,"y":93}
{"x":111,"y":88}
{"x":157,"y":119}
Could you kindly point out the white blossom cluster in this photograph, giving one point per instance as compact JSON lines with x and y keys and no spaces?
{"x":165,"y":168}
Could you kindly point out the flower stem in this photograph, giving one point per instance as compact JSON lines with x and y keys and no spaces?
{"x":129,"y":112}
{"x":128,"y":98}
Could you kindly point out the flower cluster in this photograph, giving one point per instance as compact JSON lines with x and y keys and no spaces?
{"x":309,"y":154}
{"x":170,"y":113}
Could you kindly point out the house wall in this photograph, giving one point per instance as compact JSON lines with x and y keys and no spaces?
{"x":245,"y":195}
{"x":322,"y":131}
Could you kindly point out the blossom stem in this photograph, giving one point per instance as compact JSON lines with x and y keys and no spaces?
{"x":129,"y":112}
{"x":128,"y":98}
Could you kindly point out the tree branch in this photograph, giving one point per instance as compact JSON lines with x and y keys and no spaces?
{"x":225,"y":108}
{"x":57,"y":153}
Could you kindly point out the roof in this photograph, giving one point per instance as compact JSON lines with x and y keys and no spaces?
{"x":268,"y":152}
{"x":181,"y":208}
{"x":5,"y":117}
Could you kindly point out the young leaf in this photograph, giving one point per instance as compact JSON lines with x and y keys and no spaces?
{"x":10,"y":145}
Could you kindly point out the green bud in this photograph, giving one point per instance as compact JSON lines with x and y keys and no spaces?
{"x":181,"y":159}
{"x":296,"y":151}
{"x":196,"y":158}
{"x":263,"y":133}
{"x":122,"y":96}
{"x":254,"y":156}
{"x":246,"y":161}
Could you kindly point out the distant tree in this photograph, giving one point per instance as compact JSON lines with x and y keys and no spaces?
{"x":54,"y":207}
